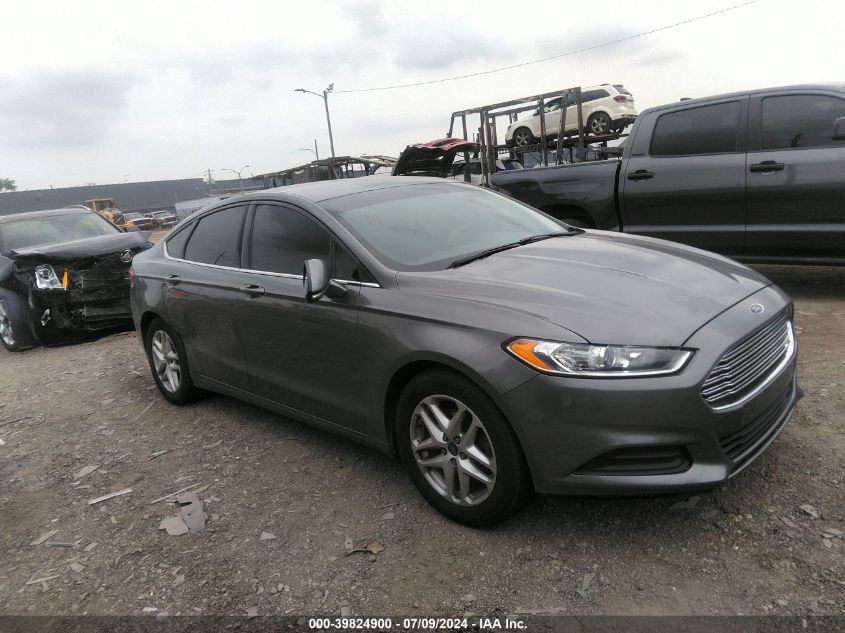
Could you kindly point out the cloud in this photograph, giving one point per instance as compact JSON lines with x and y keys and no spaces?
{"x":69,"y":108}
{"x":424,"y":44}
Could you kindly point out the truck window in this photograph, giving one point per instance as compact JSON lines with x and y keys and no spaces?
{"x":712,"y":129}
{"x":793,"y":121}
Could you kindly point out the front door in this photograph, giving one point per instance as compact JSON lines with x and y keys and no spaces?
{"x":301,"y":355}
{"x":796,"y":177}
{"x":688,"y":183}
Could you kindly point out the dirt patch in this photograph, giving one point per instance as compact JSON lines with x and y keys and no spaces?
{"x":747,"y":548}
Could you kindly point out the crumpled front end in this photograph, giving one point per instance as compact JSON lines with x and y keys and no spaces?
{"x":94,"y":296}
{"x":64,"y":293}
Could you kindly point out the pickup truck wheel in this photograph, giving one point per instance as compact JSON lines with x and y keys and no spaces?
{"x":599,"y":123}
{"x":522,"y":136}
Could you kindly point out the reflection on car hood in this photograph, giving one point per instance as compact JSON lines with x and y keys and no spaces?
{"x":606,"y":287}
{"x":78,"y":249}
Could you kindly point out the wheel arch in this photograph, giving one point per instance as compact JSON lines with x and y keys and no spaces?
{"x":146,"y":318}
{"x":412,"y":368}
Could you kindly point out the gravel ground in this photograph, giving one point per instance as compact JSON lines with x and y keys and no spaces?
{"x":284,"y":501}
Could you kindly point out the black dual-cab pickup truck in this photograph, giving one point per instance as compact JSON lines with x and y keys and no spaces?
{"x":756,"y":175}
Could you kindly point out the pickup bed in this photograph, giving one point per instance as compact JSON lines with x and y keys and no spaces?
{"x":756,"y":175}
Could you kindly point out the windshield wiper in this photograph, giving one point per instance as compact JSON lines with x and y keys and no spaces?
{"x":505,"y":247}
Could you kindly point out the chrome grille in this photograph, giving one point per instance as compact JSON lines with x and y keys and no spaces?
{"x":750,"y":364}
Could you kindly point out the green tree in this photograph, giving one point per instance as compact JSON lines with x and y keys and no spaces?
{"x":7,"y":184}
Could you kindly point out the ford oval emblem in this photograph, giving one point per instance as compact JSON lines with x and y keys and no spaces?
{"x":756,"y":308}
{"x":126,"y":256}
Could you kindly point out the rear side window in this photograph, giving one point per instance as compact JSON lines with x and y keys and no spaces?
{"x":176,"y":242}
{"x":217,"y":238}
{"x":282,"y":239}
{"x":592,"y":95}
{"x":793,"y":121}
{"x":712,"y":129}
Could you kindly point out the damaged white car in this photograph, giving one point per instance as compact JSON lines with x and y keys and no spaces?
{"x":63,"y":272}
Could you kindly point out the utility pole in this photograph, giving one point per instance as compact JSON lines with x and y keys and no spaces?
{"x":209,"y":182}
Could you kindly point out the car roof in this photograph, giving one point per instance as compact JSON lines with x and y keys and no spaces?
{"x":327,"y":189}
{"x":48,"y":213}
{"x":837,"y":86}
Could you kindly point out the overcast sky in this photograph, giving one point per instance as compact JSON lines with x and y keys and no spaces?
{"x":113,"y":91}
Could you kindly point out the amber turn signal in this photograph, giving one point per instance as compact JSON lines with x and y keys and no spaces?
{"x":523,"y":349}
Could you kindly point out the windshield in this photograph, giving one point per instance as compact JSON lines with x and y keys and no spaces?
{"x":429,"y":226}
{"x":52,"y":230}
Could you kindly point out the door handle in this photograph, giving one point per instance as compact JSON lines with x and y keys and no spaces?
{"x":252,"y":290}
{"x":766,"y":166}
{"x":640,"y":174}
{"x":173,"y":280}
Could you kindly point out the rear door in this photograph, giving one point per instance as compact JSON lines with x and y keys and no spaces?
{"x":685,"y":178}
{"x":299,"y":354}
{"x":200,"y":293}
{"x":796,"y":176}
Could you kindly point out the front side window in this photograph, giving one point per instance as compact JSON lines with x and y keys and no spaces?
{"x":217,"y":238}
{"x":282,"y":239}
{"x":712,"y":129}
{"x":793,"y":121}
{"x":428,"y":226}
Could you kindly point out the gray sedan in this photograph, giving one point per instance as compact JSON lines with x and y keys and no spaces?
{"x":495,"y":349}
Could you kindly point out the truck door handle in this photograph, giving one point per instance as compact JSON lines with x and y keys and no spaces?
{"x":252,"y":290}
{"x":173,"y":280}
{"x":766,"y":166}
{"x":640,"y":174}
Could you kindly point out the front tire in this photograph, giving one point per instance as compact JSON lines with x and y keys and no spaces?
{"x":14,"y":331}
{"x":523,"y":136}
{"x":459,"y":450}
{"x":169,"y":363}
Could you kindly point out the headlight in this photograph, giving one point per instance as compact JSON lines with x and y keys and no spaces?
{"x":46,"y":279}
{"x":598,"y":361}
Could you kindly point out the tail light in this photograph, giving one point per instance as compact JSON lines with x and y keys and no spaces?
{"x":620,"y":98}
{"x":131,"y":276}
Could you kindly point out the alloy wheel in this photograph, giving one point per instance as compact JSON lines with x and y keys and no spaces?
{"x":6,"y":327}
{"x":453,"y":450}
{"x":166,"y":361}
{"x":599,"y":125}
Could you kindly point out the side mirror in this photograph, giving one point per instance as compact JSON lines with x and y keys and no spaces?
{"x":839,"y":129}
{"x":318,"y":282}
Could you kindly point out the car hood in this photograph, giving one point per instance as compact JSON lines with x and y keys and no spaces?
{"x":80,"y":249}
{"x":606,"y":287}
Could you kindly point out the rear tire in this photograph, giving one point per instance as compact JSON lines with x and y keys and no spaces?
{"x":169,"y":363}
{"x":599,"y":123}
{"x":459,"y":450}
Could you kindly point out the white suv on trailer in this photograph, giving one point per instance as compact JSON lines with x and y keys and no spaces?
{"x":606,"y":109}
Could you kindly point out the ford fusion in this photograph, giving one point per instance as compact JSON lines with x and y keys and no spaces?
{"x":495,"y":349}
{"x":62,"y":272}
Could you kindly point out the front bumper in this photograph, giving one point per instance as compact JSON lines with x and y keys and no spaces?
{"x":652,"y":435}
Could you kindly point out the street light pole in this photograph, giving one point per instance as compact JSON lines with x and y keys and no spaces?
{"x":314,"y":151}
{"x":325,"y":98}
{"x":235,"y":171}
